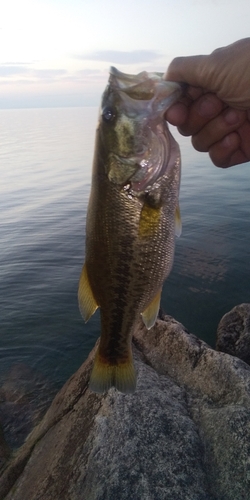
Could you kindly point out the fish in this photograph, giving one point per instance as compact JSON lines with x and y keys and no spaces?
{"x":132,"y":219}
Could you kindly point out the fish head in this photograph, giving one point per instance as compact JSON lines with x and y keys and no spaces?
{"x":136,"y":142}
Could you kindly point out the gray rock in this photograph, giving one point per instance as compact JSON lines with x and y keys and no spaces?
{"x":4,"y":449}
{"x":233,"y":333}
{"x":184,"y":434}
{"x":24,"y":398}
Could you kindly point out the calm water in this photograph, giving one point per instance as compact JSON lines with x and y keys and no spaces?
{"x":45,"y":168}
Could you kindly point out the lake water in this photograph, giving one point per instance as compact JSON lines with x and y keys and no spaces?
{"x":45,"y":169}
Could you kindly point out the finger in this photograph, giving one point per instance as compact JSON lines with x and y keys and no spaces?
{"x":193,"y":93}
{"x":218,"y":128}
{"x":234,"y":148}
{"x":201,"y":111}
{"x":177,"y":114}
{"x":244,"y":133}
{"x":227,"y":152}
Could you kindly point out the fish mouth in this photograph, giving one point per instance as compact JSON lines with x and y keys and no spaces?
{"x":145,"y":93}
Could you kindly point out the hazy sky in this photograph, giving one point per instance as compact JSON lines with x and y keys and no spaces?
{"x":58,"y":52}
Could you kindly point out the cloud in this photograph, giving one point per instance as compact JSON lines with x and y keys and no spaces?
{"x":89,"y":72}
{"x":26,"y":74}
{"x":48,"y":73}
{"x":7,"y":70}
{"x":121,"y":57}
{"x":18,"y":63}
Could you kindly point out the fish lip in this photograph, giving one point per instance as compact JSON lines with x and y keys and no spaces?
{"x":146,"y":93}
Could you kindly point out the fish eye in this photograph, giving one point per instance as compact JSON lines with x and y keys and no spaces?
{"x":108,"y":115}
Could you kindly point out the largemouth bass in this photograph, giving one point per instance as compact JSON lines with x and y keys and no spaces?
{"x":133,"y":216}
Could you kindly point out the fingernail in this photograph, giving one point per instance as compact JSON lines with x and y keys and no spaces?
{"x":226,"y":142}
{"x":231,"y":117}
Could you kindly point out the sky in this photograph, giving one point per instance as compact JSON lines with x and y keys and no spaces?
{"x":58,"y":52}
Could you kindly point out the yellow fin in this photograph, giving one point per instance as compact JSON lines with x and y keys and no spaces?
{"x":149,"y":220}
{"x":104,"y":375}
{"x":150,"y":314}
{"x":86,"y":300}
{"x":178,"y":225}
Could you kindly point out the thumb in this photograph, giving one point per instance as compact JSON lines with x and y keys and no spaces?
{"x":190,"y":70}
{"x":225,"y":72}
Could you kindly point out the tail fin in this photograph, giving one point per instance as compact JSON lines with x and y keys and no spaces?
{"x":105,"y":375}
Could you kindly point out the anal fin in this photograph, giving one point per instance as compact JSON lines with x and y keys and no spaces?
{"x":86,"y":300}
{"x":178,"y":224}
{"x":150,"y":314}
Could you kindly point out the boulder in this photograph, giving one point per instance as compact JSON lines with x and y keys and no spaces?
{"x":24,"y":398}
{"x":184,"y":434}
{"x":233,"y":333}
{"x":5,"y":450}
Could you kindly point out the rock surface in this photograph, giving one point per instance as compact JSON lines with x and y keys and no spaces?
{"x":184,"y":434}
{"x":24,"y":397}
{"x":233,"y":333}
{"x":5,"y":451}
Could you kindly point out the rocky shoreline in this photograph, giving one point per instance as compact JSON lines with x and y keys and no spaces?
{"x":184,"y":434}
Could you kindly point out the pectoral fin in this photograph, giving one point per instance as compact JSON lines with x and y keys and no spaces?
{"x":178,"y":225}
{"x":150,"y":314}
{"x":86,"y":300}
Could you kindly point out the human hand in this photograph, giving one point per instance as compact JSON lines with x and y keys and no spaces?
{"x":215,"y":108}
